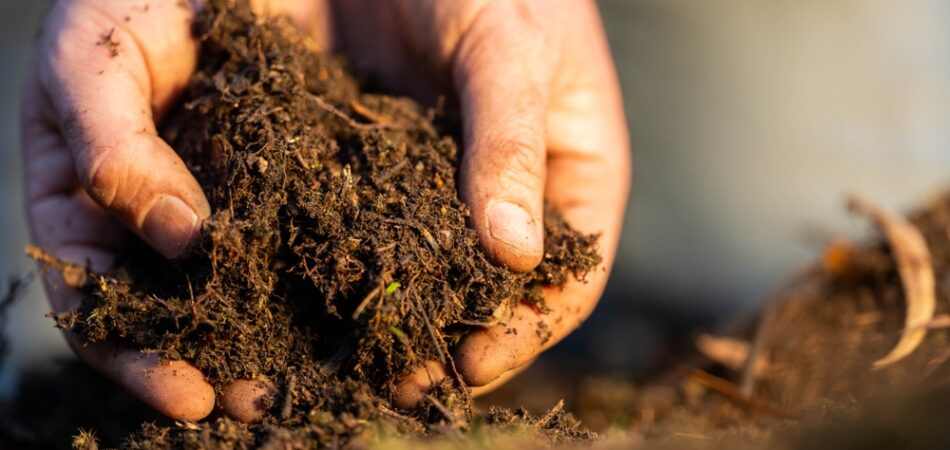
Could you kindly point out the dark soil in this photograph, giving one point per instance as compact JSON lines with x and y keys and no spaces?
{"x":830,"y":322}
{"x":337,"y":257}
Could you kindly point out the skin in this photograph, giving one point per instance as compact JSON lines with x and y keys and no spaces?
{"x":542,"y":117}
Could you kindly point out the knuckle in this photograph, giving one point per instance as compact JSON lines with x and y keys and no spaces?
{"x":454,"y":21}
{"x":522,"y":162}
{"x":528,"y":14}
{"x":101,"y":173}
{"x":73,"y":30}
{"x":477,"y":24}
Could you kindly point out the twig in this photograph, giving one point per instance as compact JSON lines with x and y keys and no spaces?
{"x":74,"y":275}
{"x":365,"y":302}
{"x":435,"y":339}
{"x":324,"y":105}
{"x":546,"y":419}
{"x":456,"y":423}
{"x":392,"y":171}
{"x":732,"y":392}
{"x":913,"y":258}
{"x":449,"y":362}
{"x":287,"y":406}
{"x":402,"y":418}
{"x":369,"y":114}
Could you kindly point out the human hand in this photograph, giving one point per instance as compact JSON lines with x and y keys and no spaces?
{"x":543,"y":119}
{"x":104,"y":71}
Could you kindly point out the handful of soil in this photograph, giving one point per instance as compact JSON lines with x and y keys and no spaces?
{"x":337,"y":257}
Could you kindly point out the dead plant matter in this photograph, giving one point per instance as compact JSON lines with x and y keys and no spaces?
{"x":337,"y":257}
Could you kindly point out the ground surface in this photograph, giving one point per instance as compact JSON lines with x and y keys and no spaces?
{"x":345,"y":202}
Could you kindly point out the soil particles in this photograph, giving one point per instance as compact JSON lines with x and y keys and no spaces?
{"x":337,"y":258}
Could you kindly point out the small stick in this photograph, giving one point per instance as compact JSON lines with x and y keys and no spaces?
{"x":435,"y":339}
{"x":288,"y":405}
{"x":456,"y":423}
{"x":363,"y":304}
{"x":910,"y":252}
{"x":402,"y":418}
{"x":550,"y":415}
{"x":369,"y":114}
{"x":324,"y":105}
{"x":469,"y":403}
{"x":74,"y":275}
{"x":733,"y":393}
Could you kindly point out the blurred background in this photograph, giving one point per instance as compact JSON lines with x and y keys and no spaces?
{"x":750,"y":121}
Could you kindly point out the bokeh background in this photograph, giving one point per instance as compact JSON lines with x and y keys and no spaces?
{"x":750,"y":120}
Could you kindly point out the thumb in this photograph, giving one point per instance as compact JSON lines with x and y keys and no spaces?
{"x":96,"y":73}
{"x":502,"y":78}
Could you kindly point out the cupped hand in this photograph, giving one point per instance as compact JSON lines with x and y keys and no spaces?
{"x":103,"y":73}
{"x":543,"y":119}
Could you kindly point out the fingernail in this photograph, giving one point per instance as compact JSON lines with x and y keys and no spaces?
{"x":512,"y":225}
{"x":170,"y":226}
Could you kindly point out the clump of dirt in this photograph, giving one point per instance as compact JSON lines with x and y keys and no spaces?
{"x":816,"y":387}
{"x":556,"y":425}
{"x":835,"y":319}
{"x":337,"y":257}
{"x":818,"y":344}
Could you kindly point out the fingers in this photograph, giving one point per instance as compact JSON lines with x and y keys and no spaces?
{"x":67,"y":222}
{"x":588,"y":182}
{"x":413,"y":388}
{"x":588,"y":162}
{"x":487,"y":354}
{"x":175,"y":388}
{"x":245,"y":400}
{"x":502,"y":74}
{"x":98,"y":76}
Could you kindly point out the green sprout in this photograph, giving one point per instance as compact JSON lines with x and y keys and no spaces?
{"x":397,"y":332}
{"x":395,"y":285}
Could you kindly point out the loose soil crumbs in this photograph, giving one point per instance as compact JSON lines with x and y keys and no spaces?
{"x":337,"y":257}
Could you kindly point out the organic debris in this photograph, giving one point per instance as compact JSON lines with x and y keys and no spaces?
{"x":337,"y":258}
{"x":729,"y":352}
{"x":917,"y":276}
{"x":827,"y":326}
